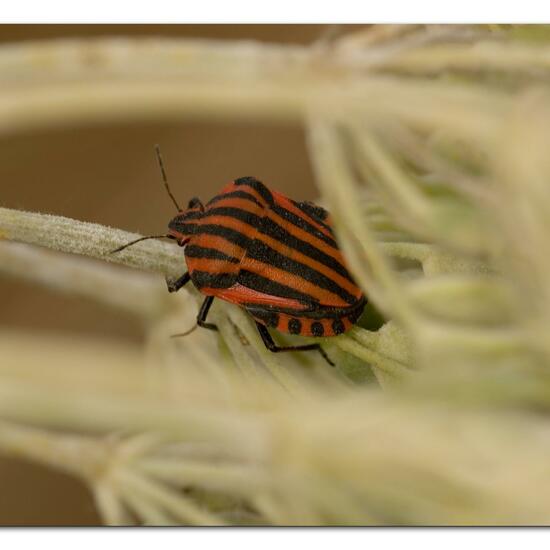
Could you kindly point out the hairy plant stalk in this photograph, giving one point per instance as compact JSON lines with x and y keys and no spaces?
{"x":45,"y":82}
{"x":76,"y":455}
{"x":88,"y":239}
{"x":183,"y":510}
{"x":110,"y":506}
{"x":385,"y":364}
{"x":527,"y":59}
{"x":136,"y":293}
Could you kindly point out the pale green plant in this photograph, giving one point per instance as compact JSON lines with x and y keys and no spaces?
{"x":429,"y":146}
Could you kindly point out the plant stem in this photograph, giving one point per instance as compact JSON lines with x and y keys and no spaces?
{"x":89,"y":239}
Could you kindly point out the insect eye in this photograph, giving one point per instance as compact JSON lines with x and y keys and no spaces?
{"x":194,"y":203}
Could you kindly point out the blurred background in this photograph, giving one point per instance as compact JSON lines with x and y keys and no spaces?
{"x":109,"y":175}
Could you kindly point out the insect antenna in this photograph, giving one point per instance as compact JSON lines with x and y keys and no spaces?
{"x":137,"y":241}
{"x":164,"y":178}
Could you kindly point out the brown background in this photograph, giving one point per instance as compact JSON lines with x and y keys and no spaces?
{"x":108,"y":175}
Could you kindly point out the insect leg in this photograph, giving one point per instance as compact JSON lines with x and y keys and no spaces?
{"x":272,"y":346}
{"x":175,"y":285}
{"x":203,"y":312}
{"x":201,"y":318}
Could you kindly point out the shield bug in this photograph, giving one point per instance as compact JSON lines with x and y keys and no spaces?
{"x":275,"y":257}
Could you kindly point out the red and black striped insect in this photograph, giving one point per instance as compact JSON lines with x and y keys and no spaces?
{"x":275,"y":257}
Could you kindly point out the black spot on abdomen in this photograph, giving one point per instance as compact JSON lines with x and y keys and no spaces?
{"x":294,"y":326}
{"x":317,"y":329}
{"x":338,"y":326}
